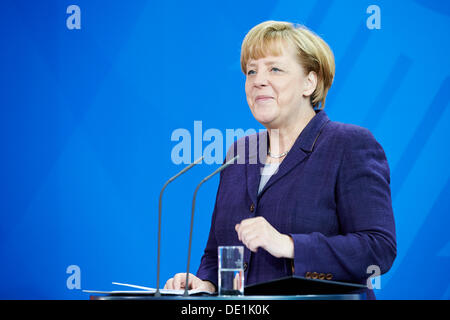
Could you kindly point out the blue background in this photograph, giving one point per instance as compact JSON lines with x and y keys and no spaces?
{"x":87,"y":116}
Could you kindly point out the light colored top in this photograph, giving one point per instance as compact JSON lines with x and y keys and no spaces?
{"x":269,"y":170}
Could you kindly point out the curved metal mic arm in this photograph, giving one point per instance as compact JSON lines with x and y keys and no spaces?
{"x":186,"y":289}
{"x":157,"y":293}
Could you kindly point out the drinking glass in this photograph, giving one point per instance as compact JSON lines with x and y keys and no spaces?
{"x":231,"y":270}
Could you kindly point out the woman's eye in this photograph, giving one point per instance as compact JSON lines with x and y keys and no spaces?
{"x":275,"y":69}
{"x":250,"y":72}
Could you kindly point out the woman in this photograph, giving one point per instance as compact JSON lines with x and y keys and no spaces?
{"x":325,"y":211}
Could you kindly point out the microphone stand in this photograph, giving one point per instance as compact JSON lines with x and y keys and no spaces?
{"x":158,"y":293}
{"x":186,"y":291}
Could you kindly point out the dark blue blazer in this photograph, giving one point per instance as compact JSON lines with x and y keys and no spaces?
{"x":331,"y":193}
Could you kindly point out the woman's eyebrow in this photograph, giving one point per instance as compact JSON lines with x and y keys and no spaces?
{"x":269,"y":62}
{"x":272,"y":62}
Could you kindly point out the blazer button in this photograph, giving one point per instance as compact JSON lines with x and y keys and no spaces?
{"x":245,"y":266}
{"x":252,"y":208}
{"x":322,"y":276}
{"x":308,"y":275}
{"x":329,"y":276}
{"x":315,"y":275}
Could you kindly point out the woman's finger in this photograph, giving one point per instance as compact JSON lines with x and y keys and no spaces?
{"x":179,"y":281}
{"x":237,"y":227}
{"x":169,"y":284}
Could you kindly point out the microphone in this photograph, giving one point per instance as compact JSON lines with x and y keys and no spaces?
{"x":158,"y":293}
{"x":186,"y":293}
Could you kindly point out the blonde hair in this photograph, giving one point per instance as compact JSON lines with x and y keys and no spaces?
{"x":314,"y":54}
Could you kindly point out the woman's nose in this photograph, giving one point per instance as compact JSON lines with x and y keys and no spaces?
{"x":261,"y":79}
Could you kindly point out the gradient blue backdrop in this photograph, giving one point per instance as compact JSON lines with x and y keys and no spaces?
{"x":86,"y":118}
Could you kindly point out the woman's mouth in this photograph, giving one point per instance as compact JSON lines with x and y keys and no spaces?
{"x":263,"y":98}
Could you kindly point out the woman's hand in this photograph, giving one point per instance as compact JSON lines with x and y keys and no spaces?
{"x":257,"y":233}
{"x":179,"y":282}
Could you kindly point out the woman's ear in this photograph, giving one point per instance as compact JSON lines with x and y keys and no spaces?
{"x":310,"y":84}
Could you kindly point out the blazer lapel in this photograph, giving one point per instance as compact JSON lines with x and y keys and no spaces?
{"x":257,"y":153}
{"x":302,"y":147}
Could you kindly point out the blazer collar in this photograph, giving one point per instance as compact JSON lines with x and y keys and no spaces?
{"x":311,"y":132}
{"x":302,"y":147}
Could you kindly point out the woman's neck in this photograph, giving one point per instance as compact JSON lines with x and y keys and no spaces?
{"x":283,"y":138}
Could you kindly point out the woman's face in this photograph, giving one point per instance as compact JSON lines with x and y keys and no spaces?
{"x":277,"y":87}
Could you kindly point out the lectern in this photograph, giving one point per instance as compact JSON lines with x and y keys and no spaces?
{"x":286,"y":288}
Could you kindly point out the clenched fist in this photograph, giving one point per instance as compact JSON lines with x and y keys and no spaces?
{"x":257,"y":233}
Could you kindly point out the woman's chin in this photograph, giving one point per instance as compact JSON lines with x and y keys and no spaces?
{"x":265,"y":117}
{"x":266,"y":121}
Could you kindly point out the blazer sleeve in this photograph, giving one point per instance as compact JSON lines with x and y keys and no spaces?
{"x":364,"y":209}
